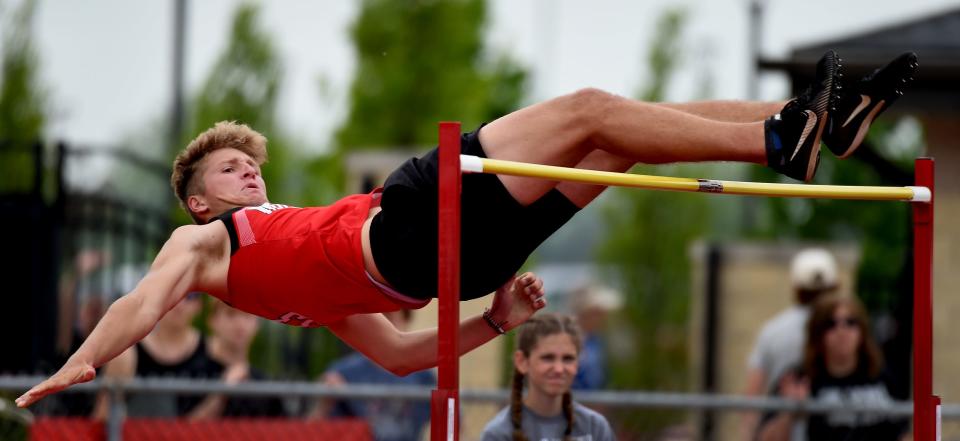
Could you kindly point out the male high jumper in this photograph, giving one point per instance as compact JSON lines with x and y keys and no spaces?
{"x":339,"y":266}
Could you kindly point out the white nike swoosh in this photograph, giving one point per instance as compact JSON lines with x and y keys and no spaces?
{"x":864,"y":103}
{"x":811,"y":124}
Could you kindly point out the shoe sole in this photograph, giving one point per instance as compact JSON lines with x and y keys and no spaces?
{"x":815,"y":152}
{"x":875,"y":108}
{"x":864,"y":128}
{"x":834,"y":80}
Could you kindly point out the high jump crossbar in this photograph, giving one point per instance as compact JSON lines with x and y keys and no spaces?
{"x":445,"y":406}
{"x":474,"y":164}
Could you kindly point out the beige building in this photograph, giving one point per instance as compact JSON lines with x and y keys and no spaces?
{"x":752,"y":284}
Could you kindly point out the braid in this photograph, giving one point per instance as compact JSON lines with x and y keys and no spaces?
{"x":528,"y":335}
{"x":516,"y":406}
{"x":568,"y":413}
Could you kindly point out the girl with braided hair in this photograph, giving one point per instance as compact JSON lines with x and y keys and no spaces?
{"x":547,"y":355}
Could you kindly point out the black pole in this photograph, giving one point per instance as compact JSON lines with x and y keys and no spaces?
{"x":754,"y":36}
{"x":38,"y":161}
{"x":710,"y":329}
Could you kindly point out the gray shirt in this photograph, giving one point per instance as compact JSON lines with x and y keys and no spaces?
{"x":588,"y":425}
{"x":779,"y":346}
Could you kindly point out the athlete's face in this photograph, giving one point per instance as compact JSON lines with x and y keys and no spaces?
{"x":551,"y":365}
{"x":231,"y":179}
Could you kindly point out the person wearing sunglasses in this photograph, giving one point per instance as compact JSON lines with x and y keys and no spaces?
{"x":779,"y":344}
{"x":842,"y":363}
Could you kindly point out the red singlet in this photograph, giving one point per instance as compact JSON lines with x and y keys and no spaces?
{"x":304,"y":266}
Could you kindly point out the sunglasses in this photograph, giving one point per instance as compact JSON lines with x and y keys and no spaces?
{"x":848,"y":322}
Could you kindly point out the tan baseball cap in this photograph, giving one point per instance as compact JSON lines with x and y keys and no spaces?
{"x":814,"y":269}
{"x":596,"y":297}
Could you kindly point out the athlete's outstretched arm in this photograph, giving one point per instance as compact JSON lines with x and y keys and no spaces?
{"x":405,"y":352}
{"x":130,"y":318}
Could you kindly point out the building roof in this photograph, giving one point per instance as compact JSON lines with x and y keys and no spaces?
{"x":935,"y":39}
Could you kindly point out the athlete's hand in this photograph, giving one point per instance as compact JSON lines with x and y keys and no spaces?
{"x":73,"y":372}
{"x":517,"y":300}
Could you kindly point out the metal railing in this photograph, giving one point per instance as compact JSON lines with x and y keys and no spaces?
{"x":608,"y":399}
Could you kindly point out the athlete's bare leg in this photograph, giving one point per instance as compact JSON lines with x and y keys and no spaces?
{"x":888,"y":80}
{"x":728,"y":111}
{"x":582,"y":194}
{"x":565,"y":130}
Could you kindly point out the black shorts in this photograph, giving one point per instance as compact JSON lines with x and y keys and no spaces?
{"x":497,"y":234}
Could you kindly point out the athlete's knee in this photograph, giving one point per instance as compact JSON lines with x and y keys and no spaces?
{"x":589,"y":105}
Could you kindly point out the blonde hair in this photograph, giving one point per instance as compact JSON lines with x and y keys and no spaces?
{"x":224,"y":134}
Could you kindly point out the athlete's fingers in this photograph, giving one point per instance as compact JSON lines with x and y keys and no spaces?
{"x":540,"y":303}
{"x":59,"y":381}
{"x":536,"y":289}
{"x":47,"y":387}
{"x":527,"y":278}
{"x":537,"y":285}
{"x":37,"y":392}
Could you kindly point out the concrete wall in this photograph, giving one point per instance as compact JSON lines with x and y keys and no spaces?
{"x":943,"y":144}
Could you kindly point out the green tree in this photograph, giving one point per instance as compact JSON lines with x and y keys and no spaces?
{"x":646,"y":246}
{"x":23,"y":100}
{"x":645,"y":249}
{"x":420,"y":63}
{"x":242,"y":86}
{"x":405,"y":83}
{"x":651,"y":231}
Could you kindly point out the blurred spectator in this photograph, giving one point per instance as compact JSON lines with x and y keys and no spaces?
{"x":90,"y":283}
{"x":79,"y":309}
{"x":779,"y":345}
{"x":841,"y":364}
{"x":173,"y":349}
{"x":228,"y":347}
{"x":548,"y":348}
{"x":389,"y":419}
{"x":592,"y":306}
{"x":81,"y":302}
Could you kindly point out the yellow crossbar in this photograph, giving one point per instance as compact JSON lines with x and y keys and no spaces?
{"x":474,"y":164}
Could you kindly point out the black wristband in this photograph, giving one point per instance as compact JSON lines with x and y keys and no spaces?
{"x":488,"y":317}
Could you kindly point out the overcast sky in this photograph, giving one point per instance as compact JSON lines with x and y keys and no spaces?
{"x":107,"y":62}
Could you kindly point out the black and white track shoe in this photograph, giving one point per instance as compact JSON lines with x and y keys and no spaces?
{"x":859,"y":103}
{"x":793,"y":135}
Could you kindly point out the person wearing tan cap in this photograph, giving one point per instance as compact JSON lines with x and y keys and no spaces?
{"x":779,"y":346}
{"x":591,"y":305}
